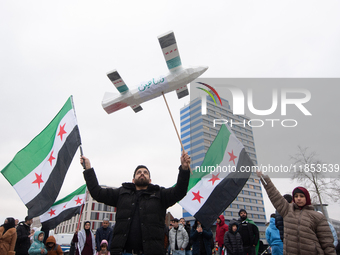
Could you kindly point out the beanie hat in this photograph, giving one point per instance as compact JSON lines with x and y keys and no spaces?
{"x":138,"y":167}
{"x":303,"y":191}
{"x":242,"y":210}
{"x":104,"y":242}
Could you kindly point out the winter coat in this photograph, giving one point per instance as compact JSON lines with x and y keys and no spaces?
{"x":233,"y":240}
{"x":103,"y":234}
{"x":335,"y":237}
{"x":306,"y":232}
{"x":80,"y":241}
{"x":279,"y":224}
{"x":195,"y":237}
{"x":188,"y":229}
{"x":7,"y":241}
{"x":182,"y":237}
{"x":251,"y":232}
{"x":55,"y":249}
{"x":37,"y":245}
{"x":221,"y":229}
{"x":273,"y":234}
{"x":152,"y":209}
{"x":23,"y":241}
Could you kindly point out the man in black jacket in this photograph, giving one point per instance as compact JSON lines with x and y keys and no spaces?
{"x":249,"y":233}
{"x":104,"y":233}
{"x":141,"y":208}
{"x":23,"y":237}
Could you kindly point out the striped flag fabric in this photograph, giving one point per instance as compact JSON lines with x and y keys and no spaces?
{"x":37,"y":171}
{"x":64,"y":209}
{"x":220,"y":178}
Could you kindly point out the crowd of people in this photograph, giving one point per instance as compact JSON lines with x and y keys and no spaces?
{"x":20,"y":239}
{"x":295,"y":228}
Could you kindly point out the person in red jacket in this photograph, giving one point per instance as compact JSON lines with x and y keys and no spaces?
{"x":221,"y":228}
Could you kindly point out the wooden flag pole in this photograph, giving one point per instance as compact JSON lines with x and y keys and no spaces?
{"x":173,"y":122}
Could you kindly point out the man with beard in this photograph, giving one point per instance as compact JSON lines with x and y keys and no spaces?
{"x":141,"y":208}
{"x":104,"y":233}
{"x":249,"y":233}
{"x":23,"y":237}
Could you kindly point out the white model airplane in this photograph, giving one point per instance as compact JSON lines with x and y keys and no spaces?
{"x":177,"y":79}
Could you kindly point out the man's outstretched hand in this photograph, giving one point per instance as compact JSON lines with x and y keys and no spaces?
{"x":87,"y":164}
{"x":185,"y":161}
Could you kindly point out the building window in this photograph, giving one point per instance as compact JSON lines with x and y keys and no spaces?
{"x":227,"y":213}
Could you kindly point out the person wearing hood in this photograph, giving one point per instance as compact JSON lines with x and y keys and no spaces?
{"x":103,"y":248}
{"x":52,"y":247}
{"x":8,"y":237}
{"x":273,"y":237}
{"x":201,"y":237}
{"x":178,"y":238}
{"x":233,"y":240}
{"x":38,"y":247}
{"x":221,"y":229}
{"x":249,"y":233}
{"x":306,"y":231}
{"x":85,"y":241}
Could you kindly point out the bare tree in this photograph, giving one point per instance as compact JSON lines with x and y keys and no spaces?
{"x":312,"y":173}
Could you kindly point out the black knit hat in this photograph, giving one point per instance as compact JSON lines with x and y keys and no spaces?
{"x":138,"y":167}
{"x":242,"y":210}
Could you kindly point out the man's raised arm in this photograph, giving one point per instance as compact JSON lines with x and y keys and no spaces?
{"x":176,"y":193}
{"x":108,"y":196}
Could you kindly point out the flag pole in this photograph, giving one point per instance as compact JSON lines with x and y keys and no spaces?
{"x":80,"y":147}
{"x":81,"y":214}
{"x":173,"y":122}
{"x":82,"y":208}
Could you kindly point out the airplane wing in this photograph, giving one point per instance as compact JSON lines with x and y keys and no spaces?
{"x":123,"y":89}
{"x":173,"y":60}
{"x":117,"y":81}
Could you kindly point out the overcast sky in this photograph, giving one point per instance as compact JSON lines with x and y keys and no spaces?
{"x":51,"y":50}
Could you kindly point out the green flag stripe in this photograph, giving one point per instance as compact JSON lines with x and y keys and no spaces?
{"x":214,"y":155}
{"x":36,"y":151}
{"x":81,"y":190}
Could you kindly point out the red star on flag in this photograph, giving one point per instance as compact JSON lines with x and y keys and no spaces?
{"x":78,"y":201}
{"x":38,"y":180}
{"x":232,"y":156}
{"x":51,"y":158}
{"x":214,"y":178}
{"x":62,"y":131}
{"x":52,"y":212}
{"x":197,"y":196}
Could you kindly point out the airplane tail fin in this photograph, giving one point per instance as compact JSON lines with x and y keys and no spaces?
{"x":117,"y":81}
{"x":170,"y":50}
